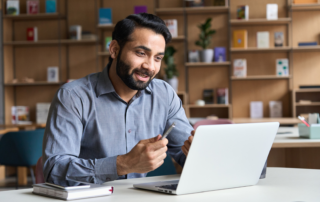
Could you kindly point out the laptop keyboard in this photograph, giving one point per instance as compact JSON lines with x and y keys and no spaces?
{"x":170,"y":186}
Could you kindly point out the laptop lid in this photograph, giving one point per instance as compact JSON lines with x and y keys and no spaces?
{"x":226,"y":156}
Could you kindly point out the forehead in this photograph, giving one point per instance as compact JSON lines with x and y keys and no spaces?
{"x":148,"y":38}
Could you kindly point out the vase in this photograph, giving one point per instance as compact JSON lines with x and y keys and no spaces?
{"x":207,"y":55}
{"x":173,"y":82}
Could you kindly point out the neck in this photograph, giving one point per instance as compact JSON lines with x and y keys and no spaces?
{"x":121,"y":88}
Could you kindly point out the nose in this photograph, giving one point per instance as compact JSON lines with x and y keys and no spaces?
{"x":149,"y":65}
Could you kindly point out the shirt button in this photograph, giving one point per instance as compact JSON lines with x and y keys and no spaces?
{"x":129,"y":131}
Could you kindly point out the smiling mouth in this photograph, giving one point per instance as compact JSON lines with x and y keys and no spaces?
{"x":141,"y":77}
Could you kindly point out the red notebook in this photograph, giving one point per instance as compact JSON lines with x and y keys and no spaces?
{"x":33,"y":7}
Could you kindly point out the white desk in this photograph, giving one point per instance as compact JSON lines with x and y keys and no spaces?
{"x":281,"y":184}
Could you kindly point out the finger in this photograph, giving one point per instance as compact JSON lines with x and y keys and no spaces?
{"x":158,"y":144}
{"x":159,"y":152}
{"x":190,"y":139}
{"x":193,"y":132}
{"x":184,"y":150}
{"x":155,"y":139}
{"x":187,"y":145}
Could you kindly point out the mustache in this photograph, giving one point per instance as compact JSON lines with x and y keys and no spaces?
{"x":144,"y":71}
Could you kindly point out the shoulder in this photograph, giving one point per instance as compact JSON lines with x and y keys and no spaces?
{"x":162,"y":89}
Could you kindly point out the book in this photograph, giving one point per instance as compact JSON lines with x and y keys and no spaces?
{"x":272,"y":11}
{"x":20,"y":115}
{"x":194,"y":3}
{"x":13,"y":7}
{"x":240,"y":67}
{"x":108,"y":40}
{"x":75,"y":32}
{"x":312,"y":43}
{"x":140,"y":9}
{"x":240,"y":38}
{"x":243,"y":12}
{"x":275,"y":109}
{"x":305,"y":1}
{"x":53,"y":74}
{"x":32,"y":6}
{"x":172,"y":27}
{"x":42,"y":110}
{"x":262,"y":39}
{"x":51,"y":6}
{"x":219,"y":54}
{"x":208,"y":96}
{"x":105,"y":16}
{"x":282,"y":67}
{"x":278,"y":39}
{"x":93,"y":191}
{"x":222,"y":96}
{"x":194,"y":56}
{"x":256,"y":109}
{"x":32,"y":34}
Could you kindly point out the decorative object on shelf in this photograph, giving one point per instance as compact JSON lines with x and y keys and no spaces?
{"x":205,"y":36}
{"x":305,"y":1}
{"x":220,"y":2}
{"x":20,"y":115}
{"x":140,"y":9}
{"x":208,"y":96}
{"x":312,"y":43}
{"x":262,"y":39}
{"x":13,"y":7}
{"x":272,"y":11}
{"x":282,"y":67}
{"x":240,"y":39}
{"x":194,"y":56}
{"x":108,"y":40}
{"x":75,"y":32}
{"x":219,"y":54}
{"x":243,"y":12}
{"x":51,"y":6}
{"x":33,"y":7}
{"x":194,"y":3}
{"x":42,"y":111}
{"x":87,"y":35}
{"x":32,"y":34}
{"x":275,"y":109}
{"x":171,"y":72}
{"x":222,"y":96}
{"x":200,"y":103}
{"x":105,"y":16}
{"x":53,"y":74}
{"x":172,"y":25}
{"x":278,"y":39}
{"x":240,"y":67}
{"x":256,"y":109}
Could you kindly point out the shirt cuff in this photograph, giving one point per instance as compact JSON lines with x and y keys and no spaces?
{"x":106,"y":169}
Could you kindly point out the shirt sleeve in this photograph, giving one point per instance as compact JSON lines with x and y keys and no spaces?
{"x":181,"y":131}
{"x":62,"y":144}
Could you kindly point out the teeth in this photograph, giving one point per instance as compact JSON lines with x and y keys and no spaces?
{"x":143,"y":75}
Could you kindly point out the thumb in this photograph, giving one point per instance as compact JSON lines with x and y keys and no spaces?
{"x":155,"y":139}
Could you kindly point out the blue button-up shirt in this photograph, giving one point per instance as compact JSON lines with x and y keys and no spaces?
{"x":89,"y":125}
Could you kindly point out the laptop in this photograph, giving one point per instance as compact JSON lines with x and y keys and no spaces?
{"x":222,"y":157}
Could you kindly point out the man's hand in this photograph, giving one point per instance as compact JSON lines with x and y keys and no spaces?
{"x":185,"y":148}
{"x":146,"y":156}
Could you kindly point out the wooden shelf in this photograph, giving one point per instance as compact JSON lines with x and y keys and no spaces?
{"x":306,"y":48}
{"x":308,"y":90}
{"x":105,"y":53}
{"x":40,"y":16}
{"x":255,"y":49}
{"x":36,"y":83}
{"x":205,"y":64}
{"x":265,"y":77}
{"x":111,"y":26}
{"x":280,"y":21}
{"x":207,"y":9}
{"x":72,"y":41}
{"x":210,"y":106}
{"x":310,"y":104}
{"x":282,"y":121}
{"x":169,"y":11}
{"x":304,"y":7}
{"x":49,"y":42}
{"x":178,"y":38}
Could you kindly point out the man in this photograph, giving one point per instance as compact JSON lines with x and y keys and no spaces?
{"x":107,"y":125}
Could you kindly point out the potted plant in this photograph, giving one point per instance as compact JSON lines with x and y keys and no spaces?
{"x":205,"y":36}
{"x":171,"y":73}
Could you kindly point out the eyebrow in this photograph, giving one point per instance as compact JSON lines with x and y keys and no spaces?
{"x":148,"y":49}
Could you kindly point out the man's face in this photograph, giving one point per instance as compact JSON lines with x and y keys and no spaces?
{"x":139,"y":60}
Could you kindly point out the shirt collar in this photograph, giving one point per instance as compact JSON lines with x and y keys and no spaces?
{"x":105,"y":86}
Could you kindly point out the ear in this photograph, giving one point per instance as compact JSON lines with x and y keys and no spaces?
{"x":114,"y":49}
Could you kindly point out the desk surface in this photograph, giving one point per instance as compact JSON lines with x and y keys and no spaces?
{"x":292,"y":140}
{"x":281,"y":184}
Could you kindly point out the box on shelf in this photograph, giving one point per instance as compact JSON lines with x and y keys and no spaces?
{"x":53,"y":74}
{"x":256,"y":109}
{"x":222,"y":96}
{"x":194,"y":56}
{"x":262,"y":39}
{"x":219,"y":54}
{"x":275,"y":109}
{"x":172,"y":25}
{"x":42,"y":112}
{"x":208,"y":96}
{"x":243,"y":12}
{"x":240,"y":38}
{"x":282,"y":67}
{"x":32,"y":34}
{"x":140,"y":9}
{"x":108,"y":40}
{"x":312,"y":132}
{"x":51,"y":6}
{"x":20,"y":115}
{"x":272,"y":11}
{"x":240,"y":67}
{"x":33,"y":7}
{"x":75,"y":32}
{"x":278,"y":39}
{"x":13,"y":7}
{"x":105,"y":16}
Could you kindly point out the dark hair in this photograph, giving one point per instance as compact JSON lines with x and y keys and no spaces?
{"x":125,"y":28}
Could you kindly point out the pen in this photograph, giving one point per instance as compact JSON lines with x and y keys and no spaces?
{"x":303,"y":120}
{"x":168,"y":131}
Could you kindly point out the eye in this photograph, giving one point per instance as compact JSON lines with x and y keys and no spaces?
{"x":140,"y":53}
{"x":159,"y":58}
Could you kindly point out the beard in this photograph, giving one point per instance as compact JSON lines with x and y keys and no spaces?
{"x":123,"y":70}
